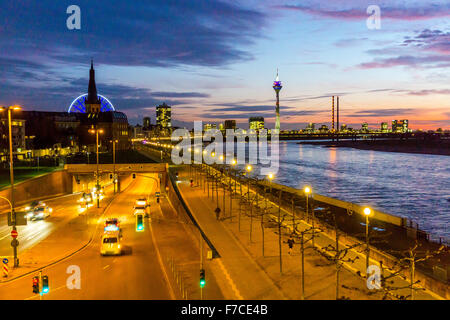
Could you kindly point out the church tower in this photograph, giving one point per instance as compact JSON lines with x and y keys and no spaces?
{"x":92,"y":102}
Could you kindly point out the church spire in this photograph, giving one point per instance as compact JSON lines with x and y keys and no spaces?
{"x":92,"y":97}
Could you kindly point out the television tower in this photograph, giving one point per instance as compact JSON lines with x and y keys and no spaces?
{"x":277,"y":87}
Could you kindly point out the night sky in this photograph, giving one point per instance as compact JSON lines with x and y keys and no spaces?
{"x":216,"y":60}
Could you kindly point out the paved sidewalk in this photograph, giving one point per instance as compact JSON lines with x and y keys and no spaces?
{"x":246,"y":278}
{"x":320,"y":273}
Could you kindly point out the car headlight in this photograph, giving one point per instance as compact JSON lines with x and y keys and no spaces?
{"x":27,"y":208}
{"x":41,"y":214}
{"x":50,"y":209}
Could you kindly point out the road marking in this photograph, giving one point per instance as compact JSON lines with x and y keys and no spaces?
{"x":51,"y":291}
{"x":230,"y":280}
{"x":106,"y":267}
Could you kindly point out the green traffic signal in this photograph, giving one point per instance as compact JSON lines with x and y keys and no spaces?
{"x":45,"y":288}
{"x":202,"y":278}
{"x":139,"y":222}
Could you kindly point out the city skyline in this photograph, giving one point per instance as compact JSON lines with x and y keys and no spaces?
{"x":397,"y":72}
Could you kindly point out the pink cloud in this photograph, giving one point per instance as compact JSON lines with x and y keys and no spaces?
{"x":411,"y":61}
{"x":412,"y":13}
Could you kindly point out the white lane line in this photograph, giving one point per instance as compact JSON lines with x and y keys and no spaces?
{"x":51,"y":291}
{"x":106,"y":267}
{"x":230,"y":280}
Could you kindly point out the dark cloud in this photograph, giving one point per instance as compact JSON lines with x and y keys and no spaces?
{"x":428,"y":92}
{"x":180,"y":95}
{"x":379,"y":113}
{"x":432,"y":40}
{"x":146,"y":33}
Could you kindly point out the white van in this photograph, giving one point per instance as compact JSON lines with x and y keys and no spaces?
{"x":110,"y":243}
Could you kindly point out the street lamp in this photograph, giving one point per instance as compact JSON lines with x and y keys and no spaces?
{"x":96,"y":132}
{"x":249,"y":169}
{"x":11,"y":175}
{"x":114,"y":162}
{"x":367,"y":213}
{"x":307,"y":192}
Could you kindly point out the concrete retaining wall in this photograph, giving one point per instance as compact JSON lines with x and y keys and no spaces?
{"x":51,"y":184}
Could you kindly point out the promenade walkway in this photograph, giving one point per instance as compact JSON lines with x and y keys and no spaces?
{"x":254,"y":276}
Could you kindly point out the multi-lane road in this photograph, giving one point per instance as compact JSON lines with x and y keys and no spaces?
{"x":139,"y":273}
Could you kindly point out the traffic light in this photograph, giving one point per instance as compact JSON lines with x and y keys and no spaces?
{"x":45,"y":288}
{"x":134,"y":175}
{"x":35,"y":284}
{"x":110,"y":176}
{"x":202,"y":278}
{"x":139,"y":222}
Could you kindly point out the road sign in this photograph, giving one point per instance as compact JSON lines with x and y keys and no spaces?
{"x":5,"y":268}
{"x":157,"y":193}
{"x":5,"y":260}
{"x":21,"y":219}
{"x":14,"y":234}
{"x":14,"y":243}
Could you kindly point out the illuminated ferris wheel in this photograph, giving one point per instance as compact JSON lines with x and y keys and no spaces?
{"x":78,"y":105}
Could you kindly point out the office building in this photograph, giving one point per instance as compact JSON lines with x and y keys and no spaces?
{"x":256,"y":123}
{"x":164,"y":116}
{"x":230,"y":124}
{"x":400,"y":126}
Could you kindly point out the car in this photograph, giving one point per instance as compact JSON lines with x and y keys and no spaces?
{"x":141,"y":202}
{"x":141,"y":205}
{"x":112,"y":224}
{"x":111,"y":243}
{"x":100,"y":193}
{"x":40,"y":212}
{"x":85,"y":202}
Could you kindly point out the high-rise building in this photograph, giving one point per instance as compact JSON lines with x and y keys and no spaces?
{"x":364,"y":127}
{"x":400,"y":126}
{"x":324,"y":129}
{"x":230,"y":124}
{"x":277,"y":87}
{"x":209,"y":126}
{"x":17,"y":134}
{"x":310,"y":128}
{"x":344,"y":128}
{"x":256,"y":123}
{"x":384,"y":127}
{"x":164,"y":116}
{"x":146,"y":122}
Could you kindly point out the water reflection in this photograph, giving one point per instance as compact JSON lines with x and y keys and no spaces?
{"x":415,"y":186}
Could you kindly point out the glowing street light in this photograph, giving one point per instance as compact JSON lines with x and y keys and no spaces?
{"x":114,"y":141}
{"x":96,"y":132}
{"x":307,"y":191}
{"x":367,"y":212}
{"x":11,"y":175}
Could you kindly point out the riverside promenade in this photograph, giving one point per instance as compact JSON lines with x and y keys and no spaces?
{"x":319,"y":267}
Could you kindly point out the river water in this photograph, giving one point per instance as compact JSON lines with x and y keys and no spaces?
{"x":415,"y":186}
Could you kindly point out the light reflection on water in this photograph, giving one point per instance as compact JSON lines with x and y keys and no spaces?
{"x":415,"y":186}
